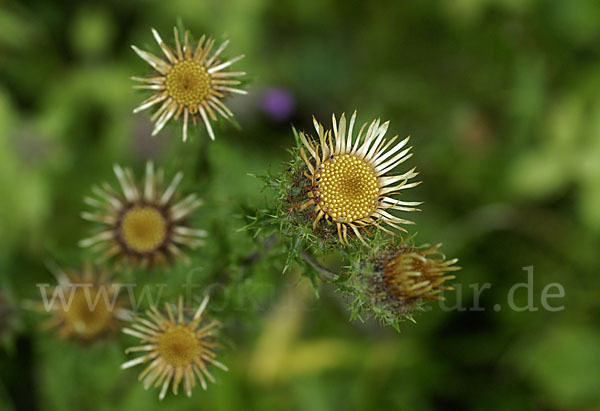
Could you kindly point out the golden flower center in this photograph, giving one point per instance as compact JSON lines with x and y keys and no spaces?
{"x":346,"y":188}
{"x":178,"y":346}
{"x":188,"y":83}
{"x":143,"y":228}
{"x":82,"y":316}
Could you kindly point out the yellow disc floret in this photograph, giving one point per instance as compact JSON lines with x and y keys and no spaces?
{"x":143,"y":229}
{"x":82,"y":317}
{"x":178,"y":346}
{"x":346,"y":188}
{"x":188,"y":83}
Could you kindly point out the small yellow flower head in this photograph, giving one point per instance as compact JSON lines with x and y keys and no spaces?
{"x":144,"y":223}
{"x":349,"y":177}
{"x":415,"y":274}
{"x":84,"y":306}
{"x":395,"y":283}
{"x":189,"y":83}
{"x":178,"y":349}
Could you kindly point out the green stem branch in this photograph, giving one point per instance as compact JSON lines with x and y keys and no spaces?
{"x":324,"y":272}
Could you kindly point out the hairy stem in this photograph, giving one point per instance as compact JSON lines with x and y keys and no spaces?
{"x":325,"y":273}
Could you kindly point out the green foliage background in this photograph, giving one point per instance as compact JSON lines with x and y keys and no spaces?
{"x":502,"y":99}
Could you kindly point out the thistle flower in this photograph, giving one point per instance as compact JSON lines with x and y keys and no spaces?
{"x":84,"y":306}
{"x":146,"y":223}
{"x":395,"y":283}
{"x":349,"y":181}
{"x":189,"y":83}
{"x":177,"y":349}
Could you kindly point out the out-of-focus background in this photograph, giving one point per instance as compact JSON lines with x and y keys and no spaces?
{"x":502,"y":99}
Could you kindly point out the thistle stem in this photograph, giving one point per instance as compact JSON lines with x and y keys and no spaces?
{"x":325,"y":273}
{"x":202,"y":165}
